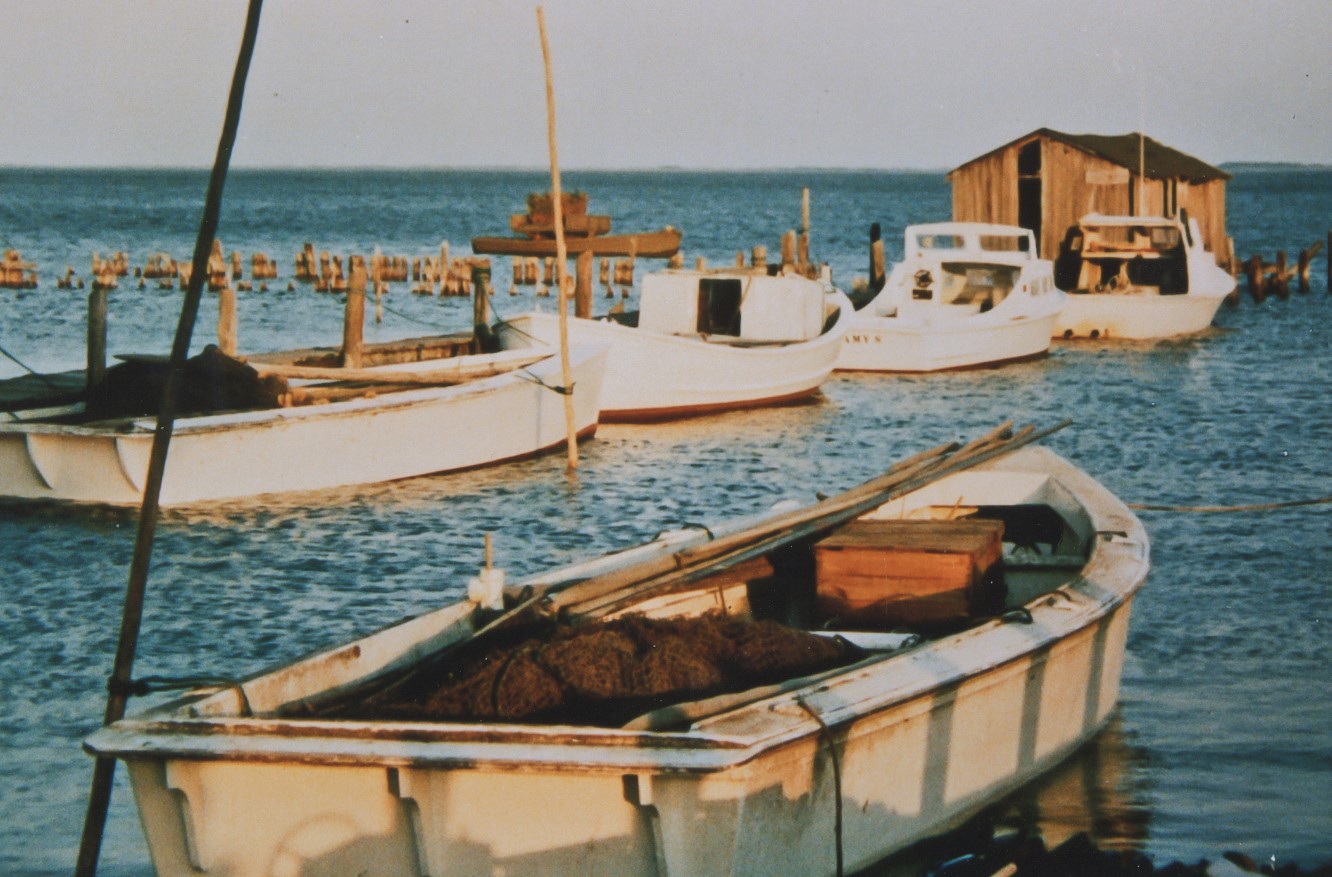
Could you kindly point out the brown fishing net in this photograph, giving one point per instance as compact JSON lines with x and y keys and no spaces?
{"x":211,"y":381}
{"x":607,"y":673}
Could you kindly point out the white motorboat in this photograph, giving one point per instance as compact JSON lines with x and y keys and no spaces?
{"x":1137,"y":277}
{"x":965,"y":294}
{"x":706,"y":341}
{"x":913,"y":727}
{"x":375,"y":424}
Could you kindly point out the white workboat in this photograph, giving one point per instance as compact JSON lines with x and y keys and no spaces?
{"x":832,"y":770}
{"x":395,"y":421}
{"x":965,"y":294}
{"x":1137,"y":277}
{"x":706,"y":341}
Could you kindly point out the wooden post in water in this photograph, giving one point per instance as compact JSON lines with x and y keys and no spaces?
{"x":788,"y":249}
{"x":226,"y":319}
{"x":877,"y":276}
{"x":480,"y":301}
{"x":96,"y":337}
{"x":759,"y":257}
{"x":1253,"y":270}
{"x":802,"y":245}
{"x":583,"y":284}
{"x":1281,"y":280}
{"x":353,"y":325}
{"x":1302,"y":270}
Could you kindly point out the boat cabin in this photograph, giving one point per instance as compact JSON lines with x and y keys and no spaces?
{"x":974,"y":266}
{"x":734,"y":307}
{"x":1131,"y":255}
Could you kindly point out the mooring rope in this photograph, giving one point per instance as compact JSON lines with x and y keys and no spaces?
{"x":825,"y":734}
{"x":29,"y":369}
{"x":1251,"y":507}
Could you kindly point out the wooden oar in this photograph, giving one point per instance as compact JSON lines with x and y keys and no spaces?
{"x":452,"y":374}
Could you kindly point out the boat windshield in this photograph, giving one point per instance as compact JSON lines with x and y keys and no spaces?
{"x":991,"y":243}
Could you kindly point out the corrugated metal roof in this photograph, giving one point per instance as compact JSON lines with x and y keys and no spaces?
{"x":1159,"y":161}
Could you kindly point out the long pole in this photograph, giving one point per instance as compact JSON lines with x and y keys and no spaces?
{"x":118,"y":686}
{"x":561,"y":254}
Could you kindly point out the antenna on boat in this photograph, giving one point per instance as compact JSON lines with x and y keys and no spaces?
{"x":120,"y":684}
{"x":561,"y":253}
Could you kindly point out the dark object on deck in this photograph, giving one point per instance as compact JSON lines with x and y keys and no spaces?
{"x":607,"y":673}
{"x":212,"y":381}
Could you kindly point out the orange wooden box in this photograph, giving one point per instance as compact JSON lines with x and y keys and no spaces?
{"x":905,"y":572}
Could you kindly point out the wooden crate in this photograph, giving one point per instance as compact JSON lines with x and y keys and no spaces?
{"x":888,"y":573}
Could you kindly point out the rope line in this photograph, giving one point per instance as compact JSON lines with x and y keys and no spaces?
{"x":29,"y":369}
{"x":1251,"y":507}
{"x":825,"y":734}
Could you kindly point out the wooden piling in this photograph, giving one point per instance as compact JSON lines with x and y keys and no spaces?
{"x":96,"y":336}
{"x":700,"y":264}
{"x":353,"y":326}
{"x":226,"y":319}
{"x":1253,"y":270}
{"x":789,"y":249}
{"x":583,"y":285}
{"x":1281,"y":279}
{"x":480,"y":301}
{"x":1302,"y":270}
{"x":740,"y":259}
{"x":759,"y":257}
{"x":877,"y":275}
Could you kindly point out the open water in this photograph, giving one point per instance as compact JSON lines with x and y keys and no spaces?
{"x":1222,"y":740}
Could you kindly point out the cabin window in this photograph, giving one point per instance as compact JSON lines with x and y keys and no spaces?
{"x":939,"y":242}
{"x":719,"y":306}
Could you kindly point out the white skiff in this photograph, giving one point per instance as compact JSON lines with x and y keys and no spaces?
{"x":965,"y":294}
{"x":1137,"y":277}
{"x":705,"y":342}
{"x":388,"y":433}
{"x":827,"y":772}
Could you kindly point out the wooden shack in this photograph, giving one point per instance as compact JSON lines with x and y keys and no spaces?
{"x":1047,"y":180}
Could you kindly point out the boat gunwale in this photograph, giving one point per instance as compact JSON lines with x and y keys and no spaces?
{"x":1115,"y":568}
{"x":244,"y":419}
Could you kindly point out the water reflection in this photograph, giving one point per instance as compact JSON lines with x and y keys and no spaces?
{"x":1101,"y":790}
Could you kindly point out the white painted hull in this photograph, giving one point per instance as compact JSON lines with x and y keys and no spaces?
{"x":1136,"y":317}
{"x":1099,"y":310}
{"x":910,"y":328}
{"x":894,"y":345}
{"x":922,"y":739}
{"x":359,"y":441}
{"x":655,"y":376}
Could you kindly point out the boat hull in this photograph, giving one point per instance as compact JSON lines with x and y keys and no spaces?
{"x":980,"y":299}
{"x":1136,"y":317}
{"x":359,"y":441}
{"x":889,"y":751}
{"x":888,"y":344}
{"x":652,"y":376}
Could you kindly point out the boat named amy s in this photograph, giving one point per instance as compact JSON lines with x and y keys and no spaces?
{"x":965,"y":294}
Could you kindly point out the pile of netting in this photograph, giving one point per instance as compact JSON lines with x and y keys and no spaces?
{"x":609,"y":672}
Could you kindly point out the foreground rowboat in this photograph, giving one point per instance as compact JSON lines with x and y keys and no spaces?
{"x":483,"y":409}
{"x":834,"y":769}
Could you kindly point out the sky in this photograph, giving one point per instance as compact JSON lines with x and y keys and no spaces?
{"x":729,"y":84}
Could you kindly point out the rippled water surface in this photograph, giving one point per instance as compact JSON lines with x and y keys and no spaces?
{"x":1222,"y":739}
